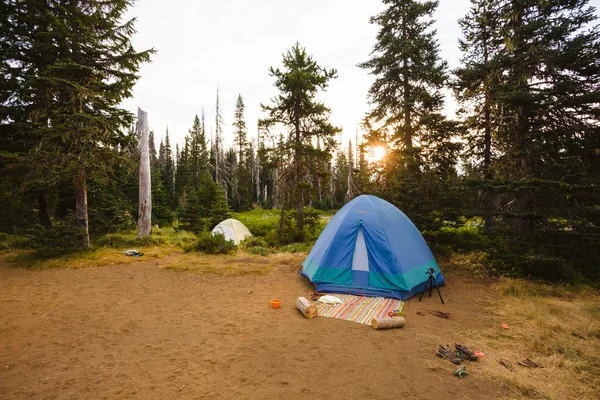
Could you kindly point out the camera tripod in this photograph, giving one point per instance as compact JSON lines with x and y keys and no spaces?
{"x":430,"y":284}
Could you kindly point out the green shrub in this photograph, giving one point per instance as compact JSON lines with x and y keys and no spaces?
{"x":62,"y":237}
{"x":548,"y":268}
{"x":117,"y":240}
{"x":297,"y":247}
{"x":256,"y":245}
{"x":462,"y":238}
{"x":259,"y":222}
{"x":440,"y":250}
{"x":13,"y":242}
{"x":208,"y":243}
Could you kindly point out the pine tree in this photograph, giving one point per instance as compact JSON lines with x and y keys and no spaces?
{"x":241,"y":180}
{"x":219,"y":210}
{"x":474,"y":90}
{"x":183,"y":175}
{"x":168,"y":172}
{"x":82,"y":67}
{"x":295,"y":107}
{"x":409,"y":74}
{"x":152,"y":147}
{"x":198,"y":152}
{"x":476,"y":78}
{"x":239,"y":126}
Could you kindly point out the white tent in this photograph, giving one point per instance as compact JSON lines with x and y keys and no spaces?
{"x":233,"y":230}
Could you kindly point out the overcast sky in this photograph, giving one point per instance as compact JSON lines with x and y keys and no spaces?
{"x":232,"y":43}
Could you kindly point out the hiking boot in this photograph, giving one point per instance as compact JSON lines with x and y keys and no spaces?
{"x":446,"y":353}
{"x":464,"y":353}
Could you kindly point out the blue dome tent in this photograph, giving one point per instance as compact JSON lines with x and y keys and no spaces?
{"x":370,"y":248}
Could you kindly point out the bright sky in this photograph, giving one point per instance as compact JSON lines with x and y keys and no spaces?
{"x":232,"y":43}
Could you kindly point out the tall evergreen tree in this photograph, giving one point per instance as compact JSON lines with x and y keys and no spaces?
{"x":409,"y":74}
{"x":168,"y":172}
{"x":239,"y":126}
{"x":241,"y":180}
{"x":476,"y":78}
{"x":77,"y":66}
{"x":152,"y":148}
{"x":296,"y":108}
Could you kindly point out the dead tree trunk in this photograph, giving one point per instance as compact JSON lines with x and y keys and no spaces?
{"x":145,"y":203}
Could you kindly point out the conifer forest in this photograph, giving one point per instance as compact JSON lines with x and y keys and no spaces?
{"x":514,"y":174}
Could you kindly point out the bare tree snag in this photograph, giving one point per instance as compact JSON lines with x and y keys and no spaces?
{"x":145,"y":200}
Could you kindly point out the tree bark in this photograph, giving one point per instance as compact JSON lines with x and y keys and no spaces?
{"x":297,"y":184}
{"x":145,"y":200}
{"x":407,"y":137}
{"x":81,"y":208}
{"x":488,"y":222}
{"x":43,"y":213}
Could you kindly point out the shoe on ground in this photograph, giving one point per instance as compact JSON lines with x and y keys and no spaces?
{"x":464,"y":353}
{"x":446,"y":353}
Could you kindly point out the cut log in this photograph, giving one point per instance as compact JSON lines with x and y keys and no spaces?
{"x":307,"y":309}
{"x":145,"y":200}
{"x":386,"y":323}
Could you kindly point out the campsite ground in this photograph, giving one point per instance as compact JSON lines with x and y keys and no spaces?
{"x":185,"y":326}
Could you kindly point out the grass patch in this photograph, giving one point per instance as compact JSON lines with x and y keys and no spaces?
{"x":257,"y":245}
{"x":239,"y":264}
{"x":97,"y":257}
{"x":296,"y":248}
{"x":159,"y":236}
{"x":554,"y":325}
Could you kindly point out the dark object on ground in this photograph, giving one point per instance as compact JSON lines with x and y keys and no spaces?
{"x":507,"y":364}
{"x":529,"y":363}
{"x":430,"y":284}
{"x":461,"y":372}
{"x":446,"y":353}
{"x":133,"y":253}
{"x":421,"y":313}
{"x":464,"y":353}
{"x":441,"y":314}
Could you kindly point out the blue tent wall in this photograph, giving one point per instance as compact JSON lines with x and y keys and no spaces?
{"x":398,"y":257}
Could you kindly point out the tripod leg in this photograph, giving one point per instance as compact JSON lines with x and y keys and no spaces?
{"x":424,"y":290}
{"x":431,"y":283}
{"x":438,"y":290}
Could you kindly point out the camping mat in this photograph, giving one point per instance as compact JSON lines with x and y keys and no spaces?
{"x":359,"y":309}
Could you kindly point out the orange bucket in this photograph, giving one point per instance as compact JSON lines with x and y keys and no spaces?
{"x":275,"y":303}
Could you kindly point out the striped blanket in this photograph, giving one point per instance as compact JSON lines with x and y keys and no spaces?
{"x":359,"y":309}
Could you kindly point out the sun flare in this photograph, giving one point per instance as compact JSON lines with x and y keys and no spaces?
{"x":376,"y":153}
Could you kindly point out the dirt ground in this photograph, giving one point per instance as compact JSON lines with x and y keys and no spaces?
{"x":140,"y":331}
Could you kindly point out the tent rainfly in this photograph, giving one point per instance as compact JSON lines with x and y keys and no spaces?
{"x":370,"y":248}
{"x":233,"y":230}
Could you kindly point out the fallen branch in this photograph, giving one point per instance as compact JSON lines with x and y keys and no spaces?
{"x":301,"y":376}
